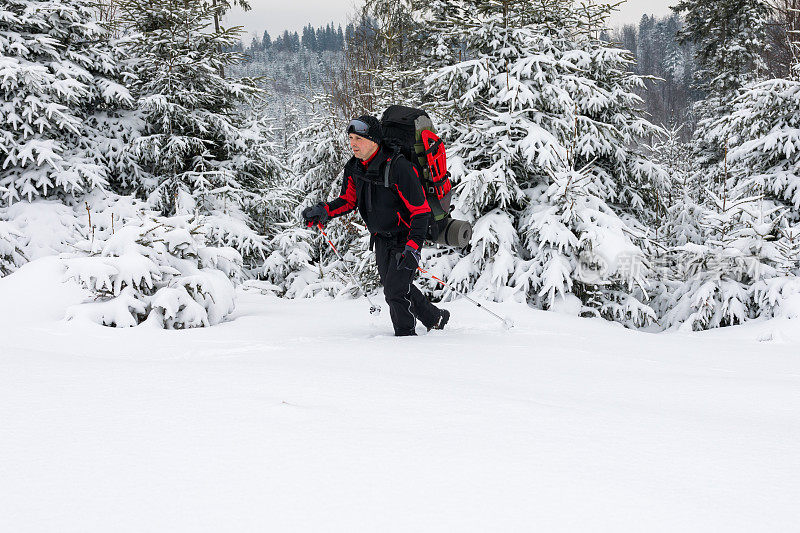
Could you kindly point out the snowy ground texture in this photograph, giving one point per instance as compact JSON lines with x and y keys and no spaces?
{"x":309,"y":416}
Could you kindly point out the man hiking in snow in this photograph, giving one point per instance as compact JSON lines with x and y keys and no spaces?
{"x":396,"y":214}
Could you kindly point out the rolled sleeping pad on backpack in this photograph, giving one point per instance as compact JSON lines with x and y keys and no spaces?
{"x":455,"y":233}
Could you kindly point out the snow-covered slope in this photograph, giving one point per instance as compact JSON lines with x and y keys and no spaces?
{"x":308,"y":415}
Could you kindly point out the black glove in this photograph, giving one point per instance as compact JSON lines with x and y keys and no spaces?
{"x":409,"y":259}
{"x":316,"y":214}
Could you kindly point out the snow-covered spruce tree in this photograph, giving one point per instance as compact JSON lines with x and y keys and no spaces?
{"x":673,"y":156}
{"x":391,"y":37}
{"x":764,"y":133}
{"x":199,"y":153}
{"x":679,"y":223}
{"x":728,"y":258}
{"x":541,"y":118}
{"x":156,"y":270}
{"x":62,"y":101}
{"x":681,"y":229}
{"x":729,"y":37}
{"x":248,"y":218}
{"x":764,"y":143}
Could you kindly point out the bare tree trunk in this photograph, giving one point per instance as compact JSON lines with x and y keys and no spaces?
{"x":216,"y":28}
{"x":783,"y":56}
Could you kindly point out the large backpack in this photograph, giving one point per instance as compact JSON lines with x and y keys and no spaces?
{"x":411,"y":131}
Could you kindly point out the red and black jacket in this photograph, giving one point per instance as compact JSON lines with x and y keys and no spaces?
{"x":390,"y":204}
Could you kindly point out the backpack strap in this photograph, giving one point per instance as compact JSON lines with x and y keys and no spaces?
{"x":388,"y":170}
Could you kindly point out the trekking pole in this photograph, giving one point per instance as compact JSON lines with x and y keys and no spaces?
{"x":507,"y":323}
{"x":373,"y":309}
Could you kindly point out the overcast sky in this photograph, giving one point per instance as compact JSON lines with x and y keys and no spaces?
{"x":278,"y":15}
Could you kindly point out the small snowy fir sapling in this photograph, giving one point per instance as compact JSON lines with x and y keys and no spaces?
{"x":728,"y":262}
{"x":156,"y":270}
{"x":247,"y":217}
{"x":314,"y":161}
{"x":719,"y":281}
{"x":303,"y":262}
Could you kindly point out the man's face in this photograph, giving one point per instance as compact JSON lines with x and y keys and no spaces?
{"x":362,"y":147}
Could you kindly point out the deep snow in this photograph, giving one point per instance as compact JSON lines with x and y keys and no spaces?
{"x":307,"y":415}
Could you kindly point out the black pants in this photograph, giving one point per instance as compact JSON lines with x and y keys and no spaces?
{"x":406,"y":302}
